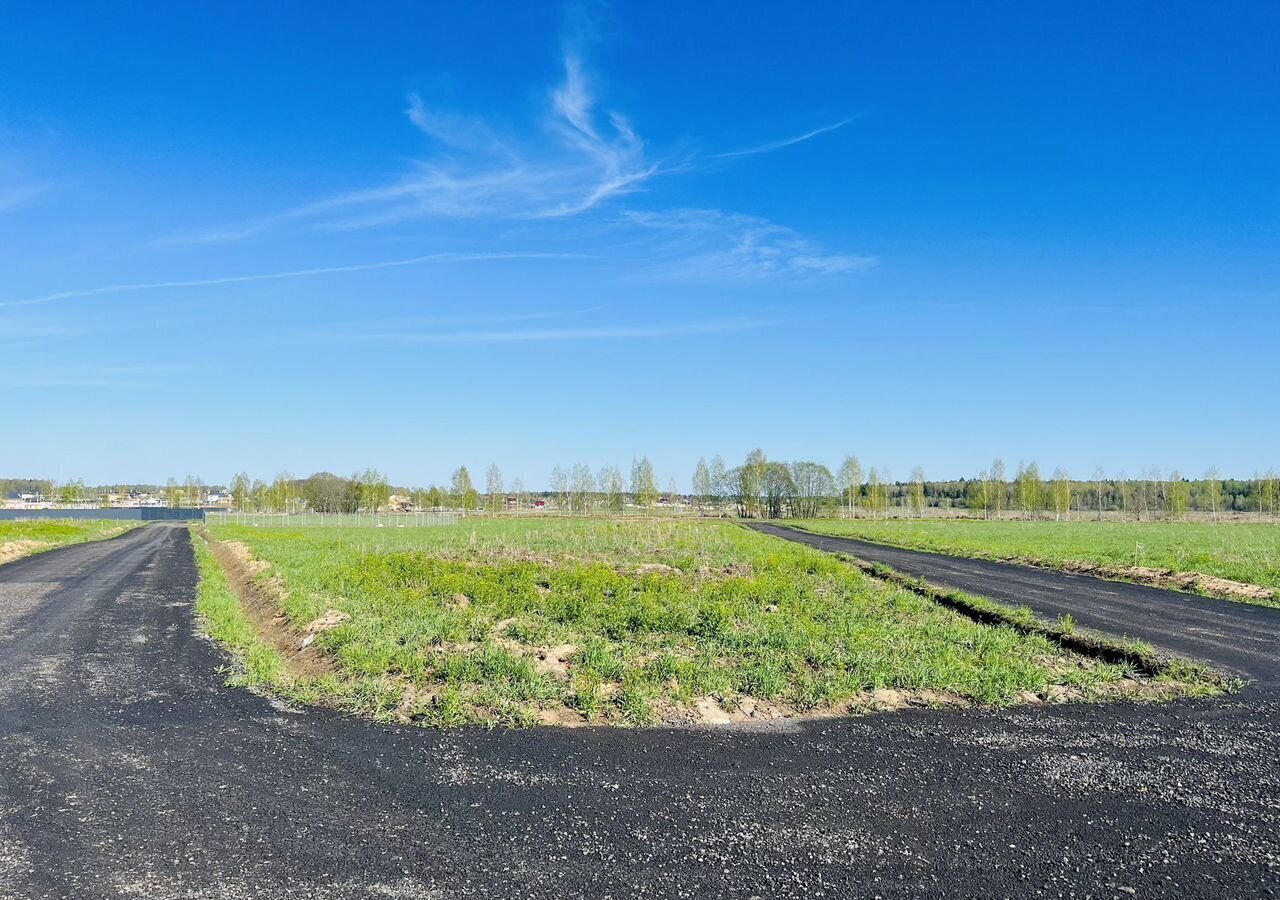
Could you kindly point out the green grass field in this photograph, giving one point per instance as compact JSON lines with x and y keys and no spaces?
{"x":18,"y":539}
{"x":629,"y":622}
{"x":1248,"y":553}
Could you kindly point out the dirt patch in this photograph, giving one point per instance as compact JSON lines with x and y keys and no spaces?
{"x":747,"y":711}
{"x":733,"y":570}
{"x":1187,"y":582}
{"x":561,"y":717}
{"x":655,"y":569}
{"x":554,"y":660}
{"x":240,"y":554}
{"x":11,"y":550}
{"x":263,"y":604}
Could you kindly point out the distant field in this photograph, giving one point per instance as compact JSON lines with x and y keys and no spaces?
{"x":1248,"y":553}
{"x":18,"y":539}
{"x":629,"y":622}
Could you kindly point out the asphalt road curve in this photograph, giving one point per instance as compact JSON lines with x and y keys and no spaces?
{"x":128,"y":769}
{"x":1239,"y":637}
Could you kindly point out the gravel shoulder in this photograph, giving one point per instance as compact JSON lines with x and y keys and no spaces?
{"x":128,"y":768}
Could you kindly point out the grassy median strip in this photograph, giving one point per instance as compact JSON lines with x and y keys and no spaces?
{"x":22,"y":538}
{"x":1233,"y":561}
{"x":613,"y":622}
{"x":1196,"y":678}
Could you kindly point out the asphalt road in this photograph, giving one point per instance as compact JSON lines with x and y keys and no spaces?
{"x":127,"y":769}
{"x":1238,"y":637}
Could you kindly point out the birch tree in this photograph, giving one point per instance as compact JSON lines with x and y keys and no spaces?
{"x":917,"y":492}
{"x":464,"y":492}
{"x":613,"y":488}
{"x":750,"y":488}
{"x":999,"y":487}
{"x":644,"y":486}
{"x":877,"y":500}
{"x":493,"y":487}
{"x":719,"y":480}
{"x":702,"y":483}
{"x":1211,"y":493}
{"x":560,"y":488}
{"x":850,"y":479}
{"x":1060,"y":494}
{"x":583,"y":486}
{"x":240,"y":491}
{"x":1178,"y":496}
{"x":1030,"y":490}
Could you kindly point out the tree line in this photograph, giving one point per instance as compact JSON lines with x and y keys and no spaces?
{"x":758,"y":487}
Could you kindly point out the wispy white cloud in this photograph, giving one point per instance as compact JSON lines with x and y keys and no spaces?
{"x":709,"y":243}
{"x":456,"y":131}
{"x":593,"y":333}
{"x":589,"y":159}
{"x":276,"y":276}
{"x":85,"y":377}
{"x":14,"y":196}
{"x":782,"y":144}
{"x":580,"y":158}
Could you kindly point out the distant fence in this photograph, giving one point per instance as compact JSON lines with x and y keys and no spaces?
{"x":121,"y":514}
{"x":333,"y":520}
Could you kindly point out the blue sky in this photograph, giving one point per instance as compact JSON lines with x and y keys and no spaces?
{"x":411,"y":236}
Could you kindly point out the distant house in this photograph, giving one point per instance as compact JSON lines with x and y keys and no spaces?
{"x":539,"y":504}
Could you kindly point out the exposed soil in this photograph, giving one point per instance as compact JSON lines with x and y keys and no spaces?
{"x":1191,"y":582}
{"x":263,"y":602}
{"x":11,"y":550}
